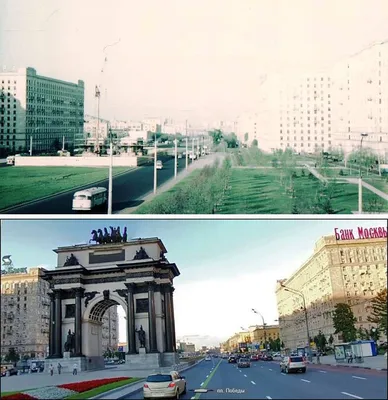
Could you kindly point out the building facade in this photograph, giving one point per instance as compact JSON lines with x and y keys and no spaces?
{"x":95,"y":128}
{"x":39,"y":113}
{"x":264,"y":334}
{"x":339,"y":271}
{"x":25,"y":309}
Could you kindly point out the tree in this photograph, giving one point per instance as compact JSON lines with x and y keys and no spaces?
{"x":282,"y":345}
{"x":255,"y":143}
{"x":379,"y":311}
{"x":231,"y":141}
{"x":217,"y":136}
{"x":246,"y":137}
{"x":362,"y":334}
{"x":343,"y":321}
{"x":12,"y":356}
{"x":320,"y":341}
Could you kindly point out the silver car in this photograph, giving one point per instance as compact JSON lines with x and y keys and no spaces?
{"x":292,"y":364}
{"x":170,"y":385}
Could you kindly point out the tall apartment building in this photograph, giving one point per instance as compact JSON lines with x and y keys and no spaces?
{"x":360,"y":99}
{"x":25,"y":312}
{"x":39,"y":110}
{"x":339,"y":271}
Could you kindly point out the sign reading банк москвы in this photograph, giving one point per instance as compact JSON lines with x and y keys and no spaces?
{"x":363,"y":233}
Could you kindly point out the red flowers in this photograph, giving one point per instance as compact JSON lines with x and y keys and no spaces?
{"x":18,"y":396}
{"x":89,"y":385}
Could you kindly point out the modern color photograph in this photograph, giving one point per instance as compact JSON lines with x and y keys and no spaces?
{"x":211,"y":309}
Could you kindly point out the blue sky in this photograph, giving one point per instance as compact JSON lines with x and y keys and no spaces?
{"x":217,"y":260}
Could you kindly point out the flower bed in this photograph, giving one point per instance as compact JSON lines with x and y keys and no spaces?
{"x":63,"y":391}
{"x":81,"y":387}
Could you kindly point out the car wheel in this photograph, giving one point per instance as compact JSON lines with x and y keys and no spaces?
{"x":304,"y":370}
{"x":185,"y":389}
{"x":177,"y":395}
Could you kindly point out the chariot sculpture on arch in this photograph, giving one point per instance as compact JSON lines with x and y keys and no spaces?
{"x":103,"y":236}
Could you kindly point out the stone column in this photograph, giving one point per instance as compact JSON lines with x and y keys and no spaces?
{"x":173,"y":320}
{"x":168,"y":319}
{"x":52,"y":326}
{"x":131,"y":332}
{"x":152,"y":318}
{"x":79,"y":293}
{"x":58,"y":324}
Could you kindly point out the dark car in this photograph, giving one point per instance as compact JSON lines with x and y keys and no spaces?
{"x":254,"y":358}
{"x":243,"y":363}
{"x":9,"y":372}
{"x":232,"y":360}
{"x":268,"y":358}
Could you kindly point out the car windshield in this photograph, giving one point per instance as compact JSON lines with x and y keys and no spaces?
{"x":159,"y":378}
{"x":243,"y":360}
{"x":296,"y":359}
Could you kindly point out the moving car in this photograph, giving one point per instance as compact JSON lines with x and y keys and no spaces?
{"x":9,"y":371}
{"x":267,"y":357}
{"x":243,"y":363}
{"x":254,"y":358}
{"x":159,"y":165}
{"x":170,"y":385}
{"x":292,"y":364}
{"x":208,"y":358}
{"x":232,"y":360}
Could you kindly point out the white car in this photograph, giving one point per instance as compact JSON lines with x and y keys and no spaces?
{"x":292,"y":364}
{"x":180,"y":155}
{"x":170,"y":385}
{"x":208,"y":358}
{"x":159,"y":165}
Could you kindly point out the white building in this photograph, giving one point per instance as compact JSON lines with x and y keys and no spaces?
{"x":246,"y":128}
{"x":94,"y":129}
{"x":41,"y":108}
{"x":360,"y":99}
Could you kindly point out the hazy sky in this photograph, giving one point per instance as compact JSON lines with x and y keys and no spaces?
{"x":196,"y":59}
{"x":227,"y":267}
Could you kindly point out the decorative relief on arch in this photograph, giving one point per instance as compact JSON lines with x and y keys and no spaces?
{"x":89,"y":296}
{"x":122,"y":293}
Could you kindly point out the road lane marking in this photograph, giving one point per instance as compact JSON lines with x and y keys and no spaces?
{"x":270,"y":369}
{"x":269,"y":398}
{"x":305,"y":380}
{"x":245,"y":376}
{"x":202,"y":383}
{"x":352,"y":395}
{"x":253,"y":383}
{"x":192,"y":397}
{"x":263,"y":367}
{"x":358,"y":377}
{"x":207,"y":376}
{"x":283,"y":373}
{"x":323,"y":372}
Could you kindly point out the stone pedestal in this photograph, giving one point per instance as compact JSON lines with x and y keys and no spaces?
{"x":66,"y":355}
{"x":170,"y":359}
{"x":143,"y":361}
{"x":67,"y":364}
{"x":142,"y":350}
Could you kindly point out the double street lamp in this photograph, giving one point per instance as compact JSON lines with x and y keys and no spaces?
{"x":299,"y":293}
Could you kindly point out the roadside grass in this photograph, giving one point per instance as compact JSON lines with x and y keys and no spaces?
{"x":200,"y":193}
{"x":3,"y":394}
{"x":188,"y":359}
{"x":22,"y":184}
{"x":261,"y":192}
{"x":102,"y":389}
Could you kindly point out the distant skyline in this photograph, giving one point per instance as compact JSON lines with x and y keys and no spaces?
{"x":198,"y":60}
{"x":218,"y":259}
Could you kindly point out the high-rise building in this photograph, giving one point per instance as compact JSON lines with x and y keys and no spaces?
{"x":350,"y":271}
{"x":39,"y":112}
{"x":25,"y":309}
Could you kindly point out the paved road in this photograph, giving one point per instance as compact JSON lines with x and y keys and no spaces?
{"x":265,"y":381}
{"x":128,"y":188}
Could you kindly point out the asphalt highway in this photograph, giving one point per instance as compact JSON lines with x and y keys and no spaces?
{"x":265,"y":381}
{"x":128,"y":190}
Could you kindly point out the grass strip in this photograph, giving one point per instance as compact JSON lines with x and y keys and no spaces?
{"x":102,"y":389}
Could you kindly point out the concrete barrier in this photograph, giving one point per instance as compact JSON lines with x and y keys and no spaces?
{"x":75,"y":161}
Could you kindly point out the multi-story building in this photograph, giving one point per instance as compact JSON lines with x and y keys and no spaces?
{"x":187,"y":347}
{"x":95,"y":128}
{"x":25,"y":309}
{"x":360,"y":99}
{"x":264,"y":334}
{"x":246,"y":128}
{"x":339,"y":271}
{"x":38,"y":113}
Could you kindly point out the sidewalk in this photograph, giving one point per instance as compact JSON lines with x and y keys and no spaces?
{"x":208,"y":160}
{"x":378,"y":362}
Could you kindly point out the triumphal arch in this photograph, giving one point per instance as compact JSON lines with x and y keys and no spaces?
{"x":111,"y":270}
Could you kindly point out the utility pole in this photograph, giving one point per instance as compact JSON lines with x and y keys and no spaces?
{"x":155,"y":170}
{"x":192,"y":149}
{"x":97,"y":147}
{"x":31,"y":145}
{"x":110,"y":189}
{"x":187,"y":149}
{"x":360,"y":177}
{"x":63,"y":143}
{"x":176,"y":158}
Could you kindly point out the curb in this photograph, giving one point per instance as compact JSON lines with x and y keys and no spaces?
{"x":113,"y":391}
{"x":349,"y":366}
{"x":140,"y":389}
{"x":28,"y":203}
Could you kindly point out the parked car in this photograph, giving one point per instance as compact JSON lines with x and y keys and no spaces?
{"x":243,"y":363}
{"x":254,"y":357}
{"x":292,"y":364}
{"x":9,"y":371}
{"x":170,"y":385}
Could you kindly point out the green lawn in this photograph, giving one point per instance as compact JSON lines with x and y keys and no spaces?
{"x":255,"y":191}
{"x":21,"y":184}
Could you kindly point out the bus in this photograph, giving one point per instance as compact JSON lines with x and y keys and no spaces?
{"x":90,"y":199}
{"x":11,"y":160}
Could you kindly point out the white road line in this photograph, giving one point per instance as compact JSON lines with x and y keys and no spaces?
{"x":323,"y":372}
{"x":269,"y":398}
{"x":253,"y":383}
{"x":305,"y":380}
{"x":192,"y":397}
{"x":263,"y":367}
{"x":207,"y":376}
{"x":202,"y":383}
{"x":245,"y":376}
{"x":270,"y":369}
{"x":352,"y":395}
{"x":283,"y":373}
{"x":358,"y":377}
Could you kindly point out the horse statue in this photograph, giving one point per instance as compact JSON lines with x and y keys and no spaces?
{"x":112,"y":234}
{"x":94,"y":236}
{"x":100,"y":237}
{"x":125,"y":235}
{"x":118,"y":235}
{"x":106,"y":236}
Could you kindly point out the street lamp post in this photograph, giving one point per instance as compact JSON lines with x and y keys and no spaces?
{"x":192,"y":149}
{"x":187,"y":149}
{"x":264,"y":330}
{"x":110,"y":186}
{"x":297,"y":292}
{"x":155,"y":170}
{"x":176,"y":158}
{"x":360,"y":177}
